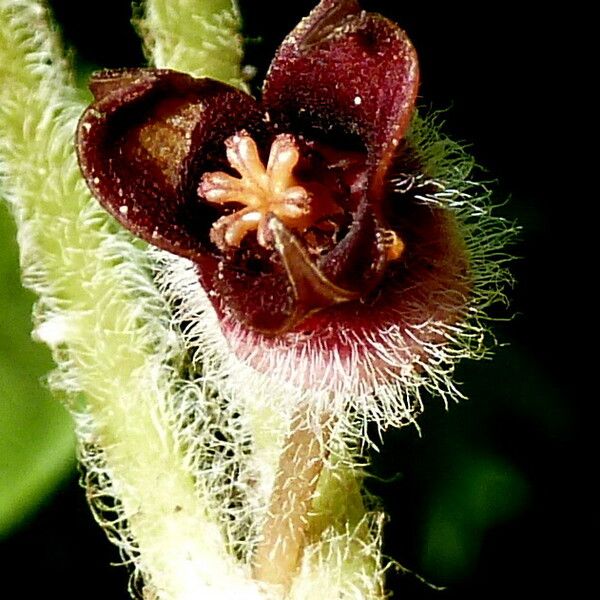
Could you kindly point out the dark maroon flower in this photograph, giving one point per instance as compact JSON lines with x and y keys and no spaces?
{"x":290,"y":207}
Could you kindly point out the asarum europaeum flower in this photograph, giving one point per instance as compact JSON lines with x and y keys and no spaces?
{"x":332,"y":231}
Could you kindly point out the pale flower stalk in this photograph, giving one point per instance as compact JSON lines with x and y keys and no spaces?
{"x":187,"y":449}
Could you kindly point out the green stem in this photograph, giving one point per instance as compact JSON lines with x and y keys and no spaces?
{"x":199,"y":38}
{"x":104,"y":321}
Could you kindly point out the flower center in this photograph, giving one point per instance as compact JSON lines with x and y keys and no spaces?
{"x":262,"y":191}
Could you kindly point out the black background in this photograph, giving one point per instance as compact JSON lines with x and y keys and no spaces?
{"x":507,"y":78}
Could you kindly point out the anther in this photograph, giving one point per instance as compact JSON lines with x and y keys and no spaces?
{"x":393,"y":245}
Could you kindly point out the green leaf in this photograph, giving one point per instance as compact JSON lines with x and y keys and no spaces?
{"x":36,"y":437}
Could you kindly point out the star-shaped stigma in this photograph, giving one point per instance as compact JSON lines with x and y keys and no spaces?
{"x":264,"y":192}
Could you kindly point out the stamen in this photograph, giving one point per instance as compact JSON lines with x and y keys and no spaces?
{"x":262,"y":191}
{"x":394,"y":246}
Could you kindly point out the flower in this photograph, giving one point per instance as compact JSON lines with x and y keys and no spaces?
{"x":330,"y":249}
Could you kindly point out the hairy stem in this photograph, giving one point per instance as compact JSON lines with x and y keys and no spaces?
{"x":199,"y":38}
{"x":106,"y":324}
{"x":279,"y":551}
